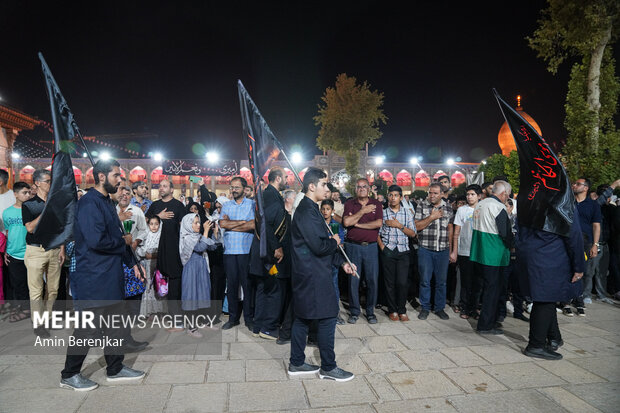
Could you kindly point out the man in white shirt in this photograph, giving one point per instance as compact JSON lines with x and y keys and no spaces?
{"x":7,"y":197}
{"x":461,"y":244}
{"x":129,"y":212}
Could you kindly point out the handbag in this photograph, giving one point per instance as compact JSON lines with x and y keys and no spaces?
{"x":133,"y":286}
{"x":161,"y":284}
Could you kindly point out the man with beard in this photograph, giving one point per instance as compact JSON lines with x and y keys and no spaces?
{"x":271,"y":286}
{"x":237,"y":218}
{"x":139,"y":198}
{"x":98,"y":283}
{"x":170,"y":211}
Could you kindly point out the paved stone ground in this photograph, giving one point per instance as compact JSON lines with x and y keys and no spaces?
{"x":418,"y":366}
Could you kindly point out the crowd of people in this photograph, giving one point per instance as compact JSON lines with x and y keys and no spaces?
{"x":285,"y":272}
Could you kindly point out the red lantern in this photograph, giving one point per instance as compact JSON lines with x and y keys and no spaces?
{"x":246,"y":174}
{"x":457,"y":179}
{"x":438,"y":174}
{"x":78,"y":175}
{"x":422,"y":179}
{"x":403,"y":178}
{"x":137,"y":174}
{"x":25,"y":174}
{"x":90,"y":180}
{"x":157,"y":175}
{"x":386,"y":176}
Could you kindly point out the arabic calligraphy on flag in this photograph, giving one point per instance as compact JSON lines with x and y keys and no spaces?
{"x":545,"y":201}
{"x":181,"y":167}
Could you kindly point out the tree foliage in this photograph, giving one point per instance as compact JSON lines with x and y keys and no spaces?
{"x":349,"y":118}
{"x":500,"y":165}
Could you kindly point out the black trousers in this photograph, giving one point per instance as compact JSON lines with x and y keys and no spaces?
{"x":268,"y":305}
{"x":451,"y":282}
{"x":395,"y":276}
{"x":286,"y":308}
{"x":77,"y":354}
{"x":19,"y":282}
{"x":414,"y":275}
{"x":236,"y":266}
{"x":470,"y":284}
{"x":492,"y":283}
{"x":325,"y":338}
{"x":132,"y":308}
{"x":543,"y":324}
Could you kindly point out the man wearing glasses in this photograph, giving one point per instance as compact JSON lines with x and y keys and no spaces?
{"x":237,"y":218}
{"x":37,"y":259}
{"x":362,"y":217}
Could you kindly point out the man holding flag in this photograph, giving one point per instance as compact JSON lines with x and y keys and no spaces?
{"x":549,"y":244}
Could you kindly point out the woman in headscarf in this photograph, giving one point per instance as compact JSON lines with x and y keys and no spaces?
{"x":196,"y":289}
{"x":196,"y":208}
{"x":147,"y":252}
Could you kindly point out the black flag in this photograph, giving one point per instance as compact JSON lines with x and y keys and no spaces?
{"x":56,"y":224}
{"x":263,"y":148}
{"x":545,"y":201}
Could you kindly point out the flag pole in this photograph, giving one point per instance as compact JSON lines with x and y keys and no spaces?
{"x":346,"y":257}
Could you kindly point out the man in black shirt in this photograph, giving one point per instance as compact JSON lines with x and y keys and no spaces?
{"x":171,"y":211}
{"x":38,"y":259}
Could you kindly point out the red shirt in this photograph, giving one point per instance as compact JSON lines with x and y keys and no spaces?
{"x":352,"y":207}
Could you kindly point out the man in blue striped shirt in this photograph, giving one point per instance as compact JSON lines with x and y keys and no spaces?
{"x":237,"y":218}
{"x":398,"y":226}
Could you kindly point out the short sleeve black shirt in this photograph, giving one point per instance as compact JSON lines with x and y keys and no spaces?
{"x":30,"y":211}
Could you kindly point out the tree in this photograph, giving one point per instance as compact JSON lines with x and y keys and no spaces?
{"x":349,"y":118}
{"x":583,"y":29}
{"x":500,"y":165}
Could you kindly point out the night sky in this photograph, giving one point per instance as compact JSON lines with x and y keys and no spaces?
{"x":171,"y":69}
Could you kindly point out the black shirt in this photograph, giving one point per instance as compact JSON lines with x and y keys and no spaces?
{"x":168,"y":258}
{"x":30,"y":211}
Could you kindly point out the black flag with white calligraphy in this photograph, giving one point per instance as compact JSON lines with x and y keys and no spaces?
{"x":545,"y":201}
{"x":56,"y":224}
{"x":263,"y":148}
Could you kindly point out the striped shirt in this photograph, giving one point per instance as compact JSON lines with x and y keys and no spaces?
{"x":395,"y":238}
{"x":238,"y":242}
{"x":435,"y":236}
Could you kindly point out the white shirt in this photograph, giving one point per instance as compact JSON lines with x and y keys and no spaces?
{"x":139,"y":229}
{"x":7,"y":199}
{"x":464,"y":219}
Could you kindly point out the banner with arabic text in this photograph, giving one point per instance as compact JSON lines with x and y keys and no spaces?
{"x":545,"y":201}
{"x":198,"y":168}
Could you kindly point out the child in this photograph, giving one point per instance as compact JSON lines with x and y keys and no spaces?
{"x":15,"y":250}
{"x":327,"y":209}
{"x":147,"y":252}
{"x":196,"y":289}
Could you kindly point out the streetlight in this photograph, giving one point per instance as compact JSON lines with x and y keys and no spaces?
{"x":212,"y":157}
{"x":296,"y":158}
{"x":157,"y":157}
{"x":379,"y":159}
{"x":450,"y":161}
{"x":104,"y":156}
{"x":15,"y":155}
{"x":413,"y":160}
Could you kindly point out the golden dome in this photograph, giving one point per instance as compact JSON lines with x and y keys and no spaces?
{"x":504,"y":137}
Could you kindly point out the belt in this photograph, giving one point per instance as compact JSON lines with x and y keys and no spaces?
{"x":35,"y":245}
{"x":364,"y":244}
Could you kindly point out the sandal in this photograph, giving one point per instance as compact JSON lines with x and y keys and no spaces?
{"x":456,"y":309}
{"x":18,"y":316}
{"x":464,"y":316}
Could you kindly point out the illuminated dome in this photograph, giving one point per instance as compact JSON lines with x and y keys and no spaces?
{"x":504,"y":137}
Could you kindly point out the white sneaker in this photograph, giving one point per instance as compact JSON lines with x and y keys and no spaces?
{"x":587,"y":301}
{"x":509,"y":307}
{"x":528,"y":309}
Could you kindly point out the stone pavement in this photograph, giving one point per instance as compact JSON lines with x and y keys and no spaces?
{"x":418,"y":366}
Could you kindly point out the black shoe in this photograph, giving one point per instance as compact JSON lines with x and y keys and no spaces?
{"x":554,"y":344}
{"x":493,"y":331}
{"x":542,"y":353}
{"x":567,"y":312}
{"x":372,"y":319}
{"x":581,"y":312}
{"x":250,"y":326}
{"x":352,"y":319}
{"x":498,"y":325}
{"x":423,"y":315}
{"x":230,"y":324}
{"x":501,"y":318}
{"x":41,"y":332}
{"x":303,"y":369}
{"x":134,"y":346}
{"x":340,"y":321}
{"x":337,"y":374}
{"x":441,"y":314}
{"x":282,"y":341}
{"x":522,"y":318}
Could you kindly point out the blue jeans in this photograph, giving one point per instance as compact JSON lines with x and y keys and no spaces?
{"x":429,"y":263}
{"x":366,"y":259}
